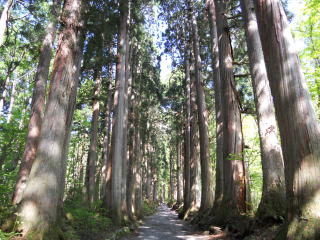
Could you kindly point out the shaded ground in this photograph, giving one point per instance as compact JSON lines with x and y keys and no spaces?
{"x":165,"y":225}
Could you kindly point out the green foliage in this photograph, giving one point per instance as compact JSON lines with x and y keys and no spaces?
{"x":252,"y":158}
{"x":7,"y":236}
{"x":82,"y":222}
{"x":309,"y":31}
{"x":149,"y":207}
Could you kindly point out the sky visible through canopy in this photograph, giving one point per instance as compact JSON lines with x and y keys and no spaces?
{"x":294,"y":6}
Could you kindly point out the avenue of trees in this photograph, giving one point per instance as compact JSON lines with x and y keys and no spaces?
{"x":92,"y":136}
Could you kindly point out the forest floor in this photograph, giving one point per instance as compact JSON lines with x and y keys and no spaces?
{"x":165,"y":224}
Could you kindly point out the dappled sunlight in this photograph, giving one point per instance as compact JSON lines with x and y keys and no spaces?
{"x":165,"y":225}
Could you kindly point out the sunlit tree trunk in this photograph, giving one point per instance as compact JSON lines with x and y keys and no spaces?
{"x":5,"y":15}
{"x":131,"y":162}
{"x":12,"y":99}
{"x":298,"y":124}
{"x":119,"y":111}
{"x":106,"y":169}
{"x":234,"y":188}
{"x":138,"y":160}
{"x":127,"y":99}
{"x":272,"y":204}
{"x":37,"y":106}
{"x":179,"y":175}
{"x":211,"y":8}
{"x":171,"y":190}
{"x":206,"y":169}
{"x":186,"y":169}
{"x":93,"y":146}
{"x":42,"y":196}
{"x":194,"y":143}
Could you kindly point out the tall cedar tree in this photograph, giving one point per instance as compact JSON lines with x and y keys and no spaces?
{"x":38,"y":101}
{"x":298,"y":124}
{"x":234,"y":188}
{"x":272,"y":204}
{"x":205,"y":164}
{"x":43,"y":195}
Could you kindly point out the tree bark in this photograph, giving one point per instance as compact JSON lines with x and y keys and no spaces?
{"x":186,"y":170}
{"x":37,"y":106}
{"x":298,"y":124}
{"x":12,"y":99}
{"x":272,"y":204}
{"x":234,"y":188}
{"x":42,"y":196}
{"x":194,"y":143}
{"x":118,"y":126}
{"x":127,"y":99}
{"x":5,"y":15}
{"x":93,"y":155}
{"x":179,"y":175}
{"x":206,"y":169}
{"x":211,"y":8}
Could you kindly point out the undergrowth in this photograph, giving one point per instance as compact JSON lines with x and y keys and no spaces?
{"x":82,"y":222}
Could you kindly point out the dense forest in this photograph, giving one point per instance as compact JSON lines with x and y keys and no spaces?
{"x":96,"y":133}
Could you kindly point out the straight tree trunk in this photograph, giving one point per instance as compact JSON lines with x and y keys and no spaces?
{"x":205,"y":164}
{"x":194,"y":143}
{"x":272,"y":204}
{"x":298,"y":124}
{"x":118,"y":126}
{"x":186,"y":169}
{"x":211,"y":8}
{"x":127,"y":99}
{"x":137,"y":160}
{"x":37,"y":106}
{"x":5,"y":15}
{"x":179,"y":175}
{"x":130,"y":198}
{"x":171,"y":192}
{"x":149,"y":171}
{"x":106,"y":169}
{"x":234,"y":188}
{"x":93,"y":147}
{"x":42,"y":196}
{"x":12,"y":99}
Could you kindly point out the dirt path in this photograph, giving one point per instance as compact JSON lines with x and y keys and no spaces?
{"x":165,"y":225}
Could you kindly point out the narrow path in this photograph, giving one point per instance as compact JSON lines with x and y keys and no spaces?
{"x":165,"y":225}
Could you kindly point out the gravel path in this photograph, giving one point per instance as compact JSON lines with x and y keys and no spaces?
{"x":165,"y":225}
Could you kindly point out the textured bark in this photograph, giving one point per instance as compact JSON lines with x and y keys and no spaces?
{"x":42,"y":196}
{"x":272,"y":204}
{"x":179,"y":175}
{"x":138,"y":161}
{"x":194,"y":143}
{"x":298,"y":125}
{"x":127,"y":99}
{"x":106,"y":169}
{"x":205,"y":164}
{"x":211,"y":8}
{"x":5,"y":15}
{"x":171,"y":191}
{"x":93,"y":146}
{"x":234,"y":188}
{"x":12,"y":99}
{"x":186,"y":169}
{"x":130,"y":198}
{"x":37,"y":106}
{"x":149,"y":173}
{"x":118,"y":126}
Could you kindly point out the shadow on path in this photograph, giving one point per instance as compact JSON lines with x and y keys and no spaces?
{"x":165,"y":225}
